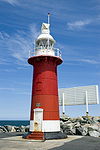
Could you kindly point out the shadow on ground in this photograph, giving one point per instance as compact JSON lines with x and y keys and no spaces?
{"x":11,"y":134}
{"x":84,"y":143}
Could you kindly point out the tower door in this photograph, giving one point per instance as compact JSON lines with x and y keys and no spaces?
{"x":38,"y":118}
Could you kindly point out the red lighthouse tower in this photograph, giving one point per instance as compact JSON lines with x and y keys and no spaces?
{"x":44,"y":118}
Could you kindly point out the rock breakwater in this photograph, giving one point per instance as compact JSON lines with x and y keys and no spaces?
{"x":85,"y":125}
{"x":9,"y":128}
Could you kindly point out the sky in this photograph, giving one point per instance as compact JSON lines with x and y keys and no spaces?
{"x":74,"y":24}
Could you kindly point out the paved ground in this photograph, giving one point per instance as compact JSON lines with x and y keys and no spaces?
{"x":71,"y":143}
{"x":11,"y":134}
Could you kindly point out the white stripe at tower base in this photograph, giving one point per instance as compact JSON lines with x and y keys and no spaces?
{"x":47,"y":125}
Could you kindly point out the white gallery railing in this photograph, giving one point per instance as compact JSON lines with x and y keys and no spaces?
{"x":56,"y":52}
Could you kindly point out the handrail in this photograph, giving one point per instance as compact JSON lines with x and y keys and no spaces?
{"x":57,"y":52}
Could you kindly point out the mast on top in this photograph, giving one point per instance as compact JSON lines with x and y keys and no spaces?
{"x":48,"y":24}
{"x":49,"y":18}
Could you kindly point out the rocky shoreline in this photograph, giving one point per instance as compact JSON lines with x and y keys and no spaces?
{"x":10,"y":128}
{"x":85,"y":126}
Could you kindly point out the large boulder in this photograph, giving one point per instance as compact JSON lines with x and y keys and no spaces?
{"x":10,"y":128}
{"x":69,"y":129}
{"x":17,"y":129}
{"x":99,"y":120}
{"x":85,"y":131}
{"x":77,"y":125}
{"x":64,"y":118}
{"x":2,"y":128}
{"x":67,"y":126}
{"x":13,"y":129}
{"x":82,"y":131}
{"x":96,"y":119}
{"x":27,"y":128}
{"x":94,"y":133}
{"x":73,"y":120}
{"x":93,"y":127}
{"x":22,"y":128}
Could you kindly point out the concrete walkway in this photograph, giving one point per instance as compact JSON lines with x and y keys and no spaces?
{"x":71,"y":143}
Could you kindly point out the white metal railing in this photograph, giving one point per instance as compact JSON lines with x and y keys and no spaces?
{"x":56,"y":51}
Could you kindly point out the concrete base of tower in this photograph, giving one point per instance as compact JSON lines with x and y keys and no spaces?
{"x":47,"y":125}
{"x":45,"y":135}
{"x":54,"y":135}
{"x":34,"y":136}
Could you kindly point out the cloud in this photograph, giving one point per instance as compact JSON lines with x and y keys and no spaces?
{"x":17,"y":91}
{"x":20,"y":43}
{"x":84,"y":60}
{"x":2,"y":61}
{"x":24,"y":93}
{"x":7,"y":89}
{"x":90,"y":61}
{"x":3,"y":36}
{"x":77,"y":24}
{"x":73,"y":55}
{"x":12,"y":2}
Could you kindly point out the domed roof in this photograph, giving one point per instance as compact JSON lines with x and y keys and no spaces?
{"x":45,"y":36}
{"x":45,"y":33}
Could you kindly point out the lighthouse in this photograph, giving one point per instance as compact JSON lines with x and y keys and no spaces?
{"x":44,"y":116}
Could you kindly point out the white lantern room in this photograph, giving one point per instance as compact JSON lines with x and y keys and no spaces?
{"x":44,"y":44}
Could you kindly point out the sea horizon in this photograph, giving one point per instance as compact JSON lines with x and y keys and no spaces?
{"x":14,"y":122}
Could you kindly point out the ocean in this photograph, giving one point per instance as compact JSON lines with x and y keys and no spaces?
{"x":14,"y":122}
